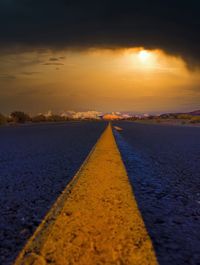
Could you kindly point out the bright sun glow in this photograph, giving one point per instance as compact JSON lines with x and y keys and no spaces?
{"x":144,"y":55}
{"x":147,"y":60}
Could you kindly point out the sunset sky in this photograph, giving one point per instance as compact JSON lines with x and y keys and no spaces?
{"x":108,"y":56}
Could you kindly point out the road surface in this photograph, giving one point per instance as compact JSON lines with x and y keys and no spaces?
{"x":163,"y":164}
{"x":98,"y":221}
{"x":36,"y":163}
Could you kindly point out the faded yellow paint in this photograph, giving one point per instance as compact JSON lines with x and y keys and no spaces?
{"x":96,"y":220}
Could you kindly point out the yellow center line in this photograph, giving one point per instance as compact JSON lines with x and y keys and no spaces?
{"x":96,"y":220}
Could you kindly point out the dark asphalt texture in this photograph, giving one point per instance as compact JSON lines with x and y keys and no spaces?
{"x":163,"y":163}
{"x":36,"y":163}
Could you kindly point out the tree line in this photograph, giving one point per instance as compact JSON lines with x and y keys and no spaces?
{"x":22,"y":117}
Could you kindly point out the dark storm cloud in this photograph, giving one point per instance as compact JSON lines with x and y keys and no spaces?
{"x":172,"y":25}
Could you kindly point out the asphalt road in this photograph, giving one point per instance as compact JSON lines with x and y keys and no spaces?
{"x":163,"y":163}
{"x":36,"y":163}
{"x":96,"y":220}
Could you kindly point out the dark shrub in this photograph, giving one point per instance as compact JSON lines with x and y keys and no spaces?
{"x":19,"y":117}
{"x":39,"y":118}
{"x":3,"y":119}
{"x":195,"y":119}
{"x":55,"y":118}
{"x":184,"y":116}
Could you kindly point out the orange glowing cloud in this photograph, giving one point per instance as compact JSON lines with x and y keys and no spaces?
{"x":133,"y":79}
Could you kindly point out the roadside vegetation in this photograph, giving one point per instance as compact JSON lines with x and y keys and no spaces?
{"x":3,"y":119}
{"x":20,"y":117}
{"x":195,"y":119}
{"x":176,"y":119}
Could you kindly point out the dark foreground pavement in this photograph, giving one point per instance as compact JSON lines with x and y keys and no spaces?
{"x":163,"y":163}
{"x":36,"y":163}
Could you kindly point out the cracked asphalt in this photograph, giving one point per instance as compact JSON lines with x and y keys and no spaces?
{"x":36,"y":163}
{"x":163,"y":164}
{"x":98,"y":222}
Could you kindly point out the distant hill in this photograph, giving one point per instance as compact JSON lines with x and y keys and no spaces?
{"x":194,"y":113}
{"x":175,"y":114}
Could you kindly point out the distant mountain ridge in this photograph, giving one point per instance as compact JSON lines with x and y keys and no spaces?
{"x":194,"y":113}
